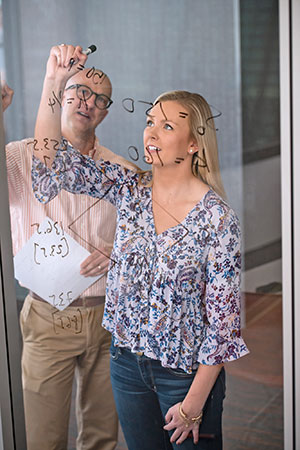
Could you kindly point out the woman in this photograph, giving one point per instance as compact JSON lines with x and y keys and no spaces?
{"x":173,"y":294}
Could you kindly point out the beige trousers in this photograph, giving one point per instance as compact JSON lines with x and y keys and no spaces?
{"x":56,"y":346}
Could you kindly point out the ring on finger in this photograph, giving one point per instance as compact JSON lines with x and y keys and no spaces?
{"x":62,"y":45}
{"x":99,"y":267}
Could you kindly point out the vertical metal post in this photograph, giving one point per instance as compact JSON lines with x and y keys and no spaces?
{"x":290,"y":181}
{"x":11,"y":395}
{"x":295,"y":67}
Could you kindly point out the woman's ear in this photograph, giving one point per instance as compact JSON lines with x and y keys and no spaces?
{"x":193,"y":148}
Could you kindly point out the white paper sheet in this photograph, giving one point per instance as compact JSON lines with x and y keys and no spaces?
{"x":49,"y":265}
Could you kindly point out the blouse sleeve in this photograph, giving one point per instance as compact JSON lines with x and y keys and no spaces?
{"x":79,"y":174}
{"x":222,"y":339}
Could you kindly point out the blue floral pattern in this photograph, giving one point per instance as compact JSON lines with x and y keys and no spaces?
{"x":176,"y":295}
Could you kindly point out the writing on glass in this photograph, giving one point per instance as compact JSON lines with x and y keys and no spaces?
{"x":49,"y":264}
{"x":129,"y":105}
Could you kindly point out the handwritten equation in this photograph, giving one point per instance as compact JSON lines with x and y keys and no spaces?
{"x":67,"y":322}
{"x":49,"y":264}
{"x":59,"y":248}
{"x":129,"y":104}
{"x":61,"y":300}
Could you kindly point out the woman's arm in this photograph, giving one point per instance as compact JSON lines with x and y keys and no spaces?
{"x":223,"y":341}
{"x":80,"y":174}
{"x":71,"y":171}
{"x":63,"y":62}
{"x":192,"y":405}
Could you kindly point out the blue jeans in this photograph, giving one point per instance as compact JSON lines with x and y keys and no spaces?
{"x":144,"y":391}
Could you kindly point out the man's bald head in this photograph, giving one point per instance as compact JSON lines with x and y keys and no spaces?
{"x":80,"y":113}
{"x":97,"y":80}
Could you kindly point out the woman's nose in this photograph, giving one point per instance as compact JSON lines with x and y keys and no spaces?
{"x":153,"y":132}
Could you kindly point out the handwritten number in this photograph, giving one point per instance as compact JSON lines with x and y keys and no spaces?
{"x":51,"y":104}
{"x":34,"y":142}
{"x":83,"y":100}
{"x":38,"y":227}
{"x":203,"y":161}
{"x":53,"y":302}
{"x":99,"y":75}
{"x":201,"y":130}
{"x":90,"y":73}
{"x":71,"y":63}
{"x":64,"y":144}
{"x":61,"y":299}
{"x":46,"y":140}
{"x":55,"y":146}
{"x":157,"y":152}
{"x":67,"y":246}
{"x":57,"y":230}
{"x":136,"y":153}
{"x":130,"y":107}
{"x":213,"y":117}
{"x":52,"y":101}
{"x":58,"y":99}
{"x":34,"y":145}
{"x":48,"y":230}
{"x":45,"y":158}
{"x":148,"y":158}
{"x":69,"y":298}
{"x":147,"y":103}
{"x":35,"y":253}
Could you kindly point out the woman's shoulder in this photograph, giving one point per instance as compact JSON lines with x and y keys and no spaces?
{"x":221,"y":215}
{"x":114,"y":158}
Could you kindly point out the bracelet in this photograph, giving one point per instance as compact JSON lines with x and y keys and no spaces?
{"x":195,"y":420}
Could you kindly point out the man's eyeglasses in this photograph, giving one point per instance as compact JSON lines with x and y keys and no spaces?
{"x":84,"y":93}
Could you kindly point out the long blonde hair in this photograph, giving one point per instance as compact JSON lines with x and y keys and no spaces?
{"x":205,"y":162}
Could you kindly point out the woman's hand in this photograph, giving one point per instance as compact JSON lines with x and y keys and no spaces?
{"x":7,"y":95}
{"x":64,"y":61}
{"x":174,"y":420}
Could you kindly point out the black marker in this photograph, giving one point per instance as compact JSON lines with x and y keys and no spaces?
{"x":91,"y":49}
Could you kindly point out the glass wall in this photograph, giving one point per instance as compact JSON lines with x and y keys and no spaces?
{"x":228,"y":52}
{"x":258,"y":379}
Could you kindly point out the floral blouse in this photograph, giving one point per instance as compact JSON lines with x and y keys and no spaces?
{"x":176,"y":295}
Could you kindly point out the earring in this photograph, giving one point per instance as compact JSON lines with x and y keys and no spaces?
{"x":191,"y":150}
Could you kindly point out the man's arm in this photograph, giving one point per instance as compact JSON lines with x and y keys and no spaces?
{"x":62,"y":64}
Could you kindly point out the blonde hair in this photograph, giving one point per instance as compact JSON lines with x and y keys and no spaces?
{"x":205,"y":162}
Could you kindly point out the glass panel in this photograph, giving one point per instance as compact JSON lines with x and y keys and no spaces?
{"x":229,"y":54}
{"x":254,"y":417}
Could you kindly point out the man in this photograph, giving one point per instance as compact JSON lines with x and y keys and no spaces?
{"x":55,"y":346}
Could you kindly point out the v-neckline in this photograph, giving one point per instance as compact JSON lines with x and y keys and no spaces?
{"x":158,"y":235}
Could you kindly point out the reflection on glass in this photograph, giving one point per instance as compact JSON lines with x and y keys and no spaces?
{"x":254,"y":409}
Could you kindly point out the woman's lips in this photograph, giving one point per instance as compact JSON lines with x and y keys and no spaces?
{"x":152,"y":148}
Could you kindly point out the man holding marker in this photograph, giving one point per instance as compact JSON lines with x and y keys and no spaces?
{"x":61,"y":345}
